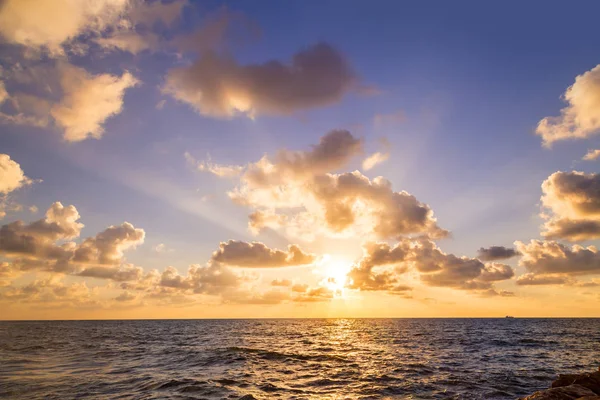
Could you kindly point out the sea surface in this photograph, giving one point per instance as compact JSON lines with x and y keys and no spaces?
{"x":292,"y":359}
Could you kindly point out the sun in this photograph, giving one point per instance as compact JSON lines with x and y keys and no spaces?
{"x":335,"y":271}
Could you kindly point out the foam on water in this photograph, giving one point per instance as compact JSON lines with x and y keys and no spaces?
{"x":293,"y":359}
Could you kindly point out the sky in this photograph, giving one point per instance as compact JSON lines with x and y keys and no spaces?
{"x":207,"y":159}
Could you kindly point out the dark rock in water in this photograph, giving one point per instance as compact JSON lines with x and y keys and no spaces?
{"x":589,"y":380}
{"x":572,"y":392}
{"x":571,"y":387}
{"x":247,"y":397}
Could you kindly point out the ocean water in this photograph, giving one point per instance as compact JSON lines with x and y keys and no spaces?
{"x":292,"y":359}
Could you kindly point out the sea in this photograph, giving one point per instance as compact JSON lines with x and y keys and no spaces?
{"x":502,"y":358}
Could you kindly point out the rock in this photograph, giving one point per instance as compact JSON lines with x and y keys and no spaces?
{"x":588,"y":380}
{"x":247,"y":397}
{"x":589,"y":398}
{"x":572,"y":392}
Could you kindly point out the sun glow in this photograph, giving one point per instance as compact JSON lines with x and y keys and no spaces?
{"x":335,"y":271}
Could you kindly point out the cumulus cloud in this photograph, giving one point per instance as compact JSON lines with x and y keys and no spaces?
{"x":47,"y":245}
{"x":107,"y":247}
{"x":581,"y":117}
{"x":88,"y":101}
{"x":223,"y":171}
{"x":12,"y":176}
{"x":495,"y":253}
{"x":434,"y":267}
{"x":79,"y":103}
{"x":538,"y":280}
{"x":366,"y":275}
{"x":592,"y":155}
{"x":374,"y":159}
{"x":296,"y":190}
{"x":217,"y":85}
{"x":550,"y":257}
{"x":51,"y":24}
{"x":574,"y":201}
{"x":52,"y":292}
{"x":258,"y":255}
{"x":117,"y":274}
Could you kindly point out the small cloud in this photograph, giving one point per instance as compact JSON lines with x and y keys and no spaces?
{"x":592,"y":155}
{"x":162,"y":248}
{"x":160,"y":105}
{"x":220,"y":170}
{"x":33,"y":209}
{"x":374,"y":159}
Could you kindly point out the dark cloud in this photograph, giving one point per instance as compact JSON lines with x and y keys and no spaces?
{"x":550,"y":257}
{"x":533,"y":279}
{"x":574,"y":200}
{"x":258,"y":255}
{"x":495,"y":253}
{"x":217,"y":85}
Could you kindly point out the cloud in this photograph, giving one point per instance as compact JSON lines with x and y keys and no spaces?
{"x":126,"y":296}
{"x":12,"y":176}
{"x":281,"y":282}
{"x":592,"y":155}
{"x":117,"y":274}
{"x":496,"y":272}
{"x":8,"y":272}
{"x":129,"y":41}
{"x":52,"y":292}
{"x":51,"y":24}
{"x":162,"y":248}
{"x":46,"y":245}
{"x":88,"y":101}
{"x":534,"y":280}
{"x":364,"y":275}
{"x":574,"y":201}
{"x":3,"y":92}
{"x":296,"y":191}
{"x":581,"y":117}
{"x":149,"y":12}
{"x":434,"y":267}
{"x":223,"y":171}
{"x":213,"y":279}
{"x":550,"y":257}
{"x":312,"y":295}
{"x":495,"y":253}
{"x":374,"y":159}
{"x":217,"y":85}
{"x":107,"y":247}
{"x":258,"y":255}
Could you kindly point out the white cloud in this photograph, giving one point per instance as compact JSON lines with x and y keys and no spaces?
{"x":592,"y":155}
{"x":581,"y":118}
{"x":51,"y":24}
{"x":88,"y":101}
{"x":12,"y":176}
{"x":374,"y":159}
{"x":220,"y":170}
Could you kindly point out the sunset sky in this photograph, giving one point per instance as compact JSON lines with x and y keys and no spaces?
{"x":201,"y":159}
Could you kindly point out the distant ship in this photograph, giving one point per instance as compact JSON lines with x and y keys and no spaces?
{"x":509,"y":316}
